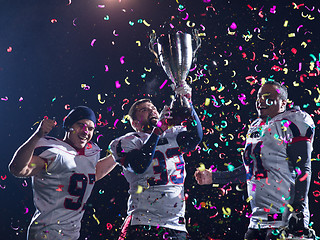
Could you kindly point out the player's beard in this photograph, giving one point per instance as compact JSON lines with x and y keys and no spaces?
{"x":149,"y":125}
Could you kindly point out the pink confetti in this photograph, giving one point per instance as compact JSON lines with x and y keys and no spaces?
{"x":93,"y":41}
{"x":273,"y":10}
{"x":115,"y":123}
{"x":118,"y":85}
{"x":163,"y":84}
{"x":26,"y":210}
{"x":187,"y":16}
{"x":122,"y":60}
{"x":233,"y":26}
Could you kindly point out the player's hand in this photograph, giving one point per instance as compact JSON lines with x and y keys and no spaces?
{"x":296,"y":223}
{"x":203,"y":176}
{"x":165,"y":114}
{"x":161,"y":124}
{"x":184,"y":90}
{"x":45,"y":126}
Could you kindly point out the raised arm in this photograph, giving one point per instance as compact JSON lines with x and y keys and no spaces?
{"x":188,"y":140}
{"x":104,"y":166}
{"x":24,"y":163}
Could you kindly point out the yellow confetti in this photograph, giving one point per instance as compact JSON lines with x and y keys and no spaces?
{"x":207,"y":102}
{"x":189,"y":24}
{"x":299,"y":159}
{"x":145,"y":23}
{"x":290,"y":208}
{"x":310,"y":18}
{"x":227,"y":103}
{"x":140,"y":189}
{"x":206,"y":81}
{"x":139,"y":43}
{"x":94,"y":216}
{"x":286,"y":23}
{"x":99,"y":99}
{"x":36,"y":123}
{"x":304,"y":44}
{"x":125,"y":119}
{"x":202,"y":167}
{"x":296,"y":84}
{"x":291,"y":35}
{"x":126,"y":81}
{"x":316,"y":100}
{"x":231,"y":136}
{"x":230,"y":33}
{"x":249,"y":199}
{"x":226,"y":211}
{"x":221,"y":88}
{"x":237,"y":105}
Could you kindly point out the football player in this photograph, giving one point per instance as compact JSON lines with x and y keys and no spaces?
{"x":277,"y":166}
{"x":154,"y":167}
{"x":63,"y":174}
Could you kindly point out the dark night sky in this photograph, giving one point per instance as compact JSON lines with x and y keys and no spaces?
{"x":54,"y":54}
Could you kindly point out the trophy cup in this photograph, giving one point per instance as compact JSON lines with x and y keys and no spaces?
{"x":176,"y":52}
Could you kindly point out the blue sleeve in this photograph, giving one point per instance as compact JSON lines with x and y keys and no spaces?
{"x":139,"y":159}
{"x":238,"y":175}
{"x":188,"y":140}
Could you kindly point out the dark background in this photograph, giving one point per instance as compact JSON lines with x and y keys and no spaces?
{"x":53,"y":56}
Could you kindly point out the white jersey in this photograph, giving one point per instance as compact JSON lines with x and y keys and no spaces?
{"x":157,"y":195}
{"x":270,"y":175}
{"x":61,"y":190}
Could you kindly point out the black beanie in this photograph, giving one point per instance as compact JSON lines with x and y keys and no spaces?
{"x":76,"y":114}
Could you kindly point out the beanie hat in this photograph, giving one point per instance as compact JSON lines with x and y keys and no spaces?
{"x":76,"y":114}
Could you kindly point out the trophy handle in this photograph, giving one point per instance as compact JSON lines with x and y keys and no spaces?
{"x":197,"y":39}
{"x":152,"y":43}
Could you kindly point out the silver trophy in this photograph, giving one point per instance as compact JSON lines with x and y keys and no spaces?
{"x":176,"y":52}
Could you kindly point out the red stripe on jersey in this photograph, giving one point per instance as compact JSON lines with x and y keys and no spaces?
{"x":125,"y":226}
{"x":300,"y":138}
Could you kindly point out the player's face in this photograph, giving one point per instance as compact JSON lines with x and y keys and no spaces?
{"x":145,"y":114}
{"x":269,"y":103}
{"x":81,"y":134}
